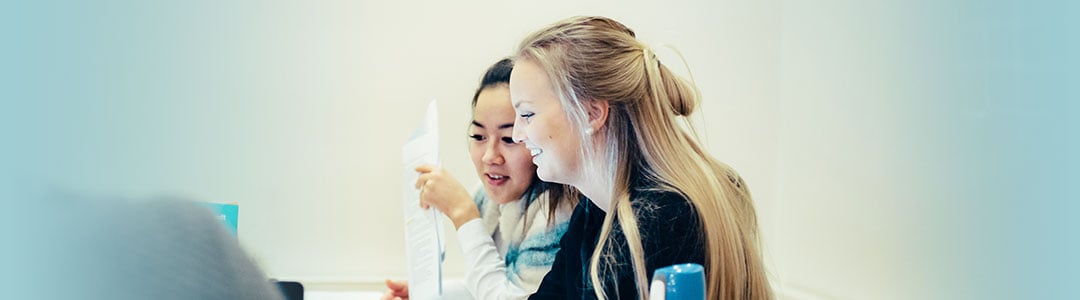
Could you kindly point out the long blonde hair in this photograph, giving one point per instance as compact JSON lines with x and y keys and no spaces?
{"x":600,"y":59}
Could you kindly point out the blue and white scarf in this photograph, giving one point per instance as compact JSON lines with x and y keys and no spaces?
{"x":522,"y":233}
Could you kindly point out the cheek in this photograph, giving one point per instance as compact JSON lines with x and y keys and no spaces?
{"x":553,"y":133}
{"x":568,"y":147}
{"x":528,"y":130}
{"x":476,"y":152}
{"x":541,"y":131}
{"x":557,"y":128}
{"x":521,"y":163}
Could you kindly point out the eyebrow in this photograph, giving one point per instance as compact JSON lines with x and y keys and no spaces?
{"x":519,"y":103}
{"x":503,"y":126}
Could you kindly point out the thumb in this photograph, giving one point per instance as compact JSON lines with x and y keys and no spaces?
{"x":398,"y":287}
{"x":392,"y":285}
{"x":426,"y":168}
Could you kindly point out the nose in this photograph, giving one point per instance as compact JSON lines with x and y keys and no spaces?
{"x":492,"y":154}
{"x":519,"y":131}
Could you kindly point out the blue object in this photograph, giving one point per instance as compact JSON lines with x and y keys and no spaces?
{"x":680,"y":282}
{"x":227,"y":213}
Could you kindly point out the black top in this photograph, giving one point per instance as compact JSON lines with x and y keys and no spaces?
{"x":670,"y":234}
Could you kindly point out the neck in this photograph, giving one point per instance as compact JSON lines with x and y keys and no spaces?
{"x":596,"y":186}
{"x":598,"y":179}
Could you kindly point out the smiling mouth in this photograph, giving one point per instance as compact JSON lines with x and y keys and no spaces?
{"x":535,"y":151}
{"x":496,"y":180}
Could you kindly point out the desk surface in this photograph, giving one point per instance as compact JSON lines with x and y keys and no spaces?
{"x":341,"y":295}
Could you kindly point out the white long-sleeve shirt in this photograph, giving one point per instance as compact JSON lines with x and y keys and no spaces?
{"x":511,"y":247}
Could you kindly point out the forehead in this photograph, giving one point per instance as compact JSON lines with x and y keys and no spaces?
{"x":529,"y":82}
{"x":494,"y":104}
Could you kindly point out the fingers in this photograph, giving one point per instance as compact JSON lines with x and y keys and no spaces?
{"x":390,"y":284}
{"x":403,"y":291}
{"x":424,"y":189}
{"x":398,"y":290}
{"x":427,"y":172}
{"x":425,"y":178}
{"x":439,"y":189}
{"x":426,"y":168}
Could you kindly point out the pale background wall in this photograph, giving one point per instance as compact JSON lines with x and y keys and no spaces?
{"x":839,"y":114}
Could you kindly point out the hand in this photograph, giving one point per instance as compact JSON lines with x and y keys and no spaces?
{"x":399,"y":290}
{"x":439,"y":189}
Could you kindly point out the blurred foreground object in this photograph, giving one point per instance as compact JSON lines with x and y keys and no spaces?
{"x":70,"y":247}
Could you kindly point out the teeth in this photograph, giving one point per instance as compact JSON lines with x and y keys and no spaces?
{"x":535,"y":151}
{"x":496,"y":177}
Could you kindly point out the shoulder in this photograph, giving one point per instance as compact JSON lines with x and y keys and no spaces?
{"x":546,"y":228}
{"x":662,"y":204}
{"x":564,"y":206}
{"x":670,"y":228}
{"x":666,"y":217}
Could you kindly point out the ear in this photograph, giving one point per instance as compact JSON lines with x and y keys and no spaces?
{"x":598,"y":113}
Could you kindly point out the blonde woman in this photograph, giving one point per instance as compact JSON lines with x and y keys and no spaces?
{"x":510,"y":231}
{"x":598,"y":111}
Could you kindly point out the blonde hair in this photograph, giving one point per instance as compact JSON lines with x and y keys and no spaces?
{"x":600,"y":59}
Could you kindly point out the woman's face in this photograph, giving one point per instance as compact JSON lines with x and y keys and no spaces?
{"x":504,"y":166}
{"x":542,"y":124}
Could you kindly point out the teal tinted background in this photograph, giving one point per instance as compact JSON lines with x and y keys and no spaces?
{"x":938,"y":135}
{"x":1009,"y":164}
{"x":922,"y":149}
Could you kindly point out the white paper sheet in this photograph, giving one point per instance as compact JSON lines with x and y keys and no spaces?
{"x":423,"y":235}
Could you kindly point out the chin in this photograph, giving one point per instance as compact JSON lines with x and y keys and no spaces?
{"x":548,"y":178}
{"x":543,"y":176}
{"x":502,"y":199}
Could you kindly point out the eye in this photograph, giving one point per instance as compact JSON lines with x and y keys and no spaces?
{"x":477,"y":137}
{"x":508,"y":140}
{"x":526,"y":116}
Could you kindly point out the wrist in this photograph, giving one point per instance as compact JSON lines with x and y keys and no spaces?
{"x":464,"y":215}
